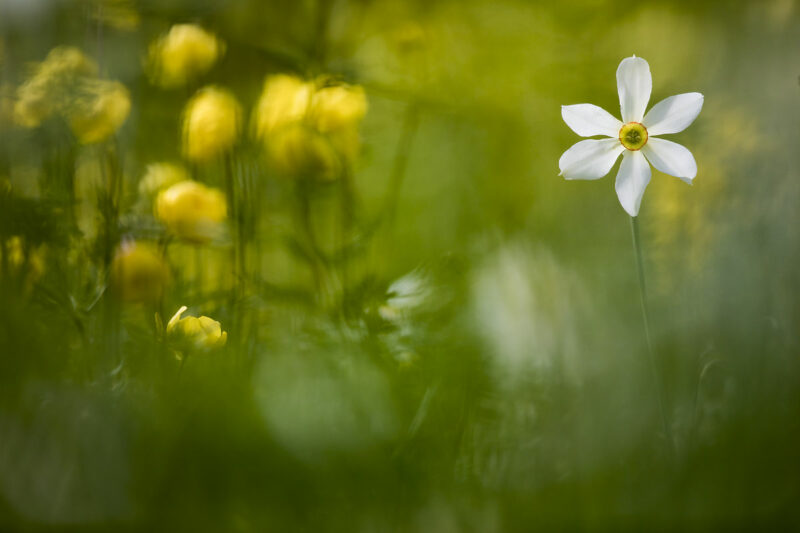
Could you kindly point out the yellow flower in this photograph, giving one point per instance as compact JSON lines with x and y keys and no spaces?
{"x":100,"y":112}
{"x":211,"y":124}
{"x":338,"y":107}
{"x":159,"y":176}
{"x":185,"y":52}
{"x":309,"y":128}
{"x":284,"y":101}
{"x":191,"y":210}
{"x":138,"y":273}
{"x":52,"y":85}
{"x":198,"y":332}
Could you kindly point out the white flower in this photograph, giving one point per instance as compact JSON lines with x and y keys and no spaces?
{"x":635,"y":136}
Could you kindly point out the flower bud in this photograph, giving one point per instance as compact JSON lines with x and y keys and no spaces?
{"x":284,"y":101}
{"x":201,"y":333}
{"x":191,"y":210}
{"x":99,"y":112}
{"x":184,"y":53}
{"x":138,"y":273}
{"x":211,"y":124}
{"x":338,"y":107}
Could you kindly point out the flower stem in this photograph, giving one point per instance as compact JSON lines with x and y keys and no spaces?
{"x":637,"y":250}
{"x":402,"y":152}
{"x":237,"y":248}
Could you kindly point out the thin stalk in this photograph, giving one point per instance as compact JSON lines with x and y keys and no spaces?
{"x":237,"y":251}
{"x":318,"y":45}
{"x":317,"y":259}
{"x":388,"y":212}
{"x":111,"y":172}
{"x":347,"y":222}
{"x":637,"y":250}
{"x":407,"y":133}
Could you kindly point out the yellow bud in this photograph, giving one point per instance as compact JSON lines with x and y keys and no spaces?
{"x":284,"y":101}
{"x":211,"y":124}
{"x":201,"y":333}
{"x":191,"y":210}
{"x":184,"y":53}
{"x":300,"y":151}
{"x":338,"y":107}
{"x":159,"y":176}
{"x":138,"y":273}
{"x":99,"y":112}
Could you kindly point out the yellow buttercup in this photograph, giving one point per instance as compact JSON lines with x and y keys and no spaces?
{"x":138,"y":273}
{"x":211,"y":124}
{"x":100,"y":112}
{"x":191,"y":211}
{"x":184,"y":53}
{"x":197,"y":332}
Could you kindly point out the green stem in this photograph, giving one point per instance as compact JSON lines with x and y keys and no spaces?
{"x":408,"y":131}
{"x":659,"y":389}
{"x":386,"y":219}
{"x":317,"y":260}
{"x":237,"y":250}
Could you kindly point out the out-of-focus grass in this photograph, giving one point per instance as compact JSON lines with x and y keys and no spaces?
{"x":459,"y":347}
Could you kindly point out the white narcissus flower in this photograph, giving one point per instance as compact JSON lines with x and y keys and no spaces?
{"x":634,"y":137}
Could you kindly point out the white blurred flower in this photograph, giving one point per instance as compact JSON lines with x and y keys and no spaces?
{"x":528,"y":310}
{"x":634,"y":136}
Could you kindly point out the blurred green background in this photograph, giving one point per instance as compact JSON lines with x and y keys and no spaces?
{"x":476,"y":360}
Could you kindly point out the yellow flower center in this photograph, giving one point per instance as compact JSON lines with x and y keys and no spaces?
{"x":633,"y":136}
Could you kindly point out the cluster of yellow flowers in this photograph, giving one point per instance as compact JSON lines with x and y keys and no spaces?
{"x":140,"y":274}
{"x":66,"y":83}
{"x":310,"y":128}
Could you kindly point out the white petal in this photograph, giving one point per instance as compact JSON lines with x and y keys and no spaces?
{"x":590,"y":159}
{"x":632,"y":180}
{"x":634,"y":84}
{"x":673,"y":114}
{"x":587,"y":120}
{"x":671,"y":158}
